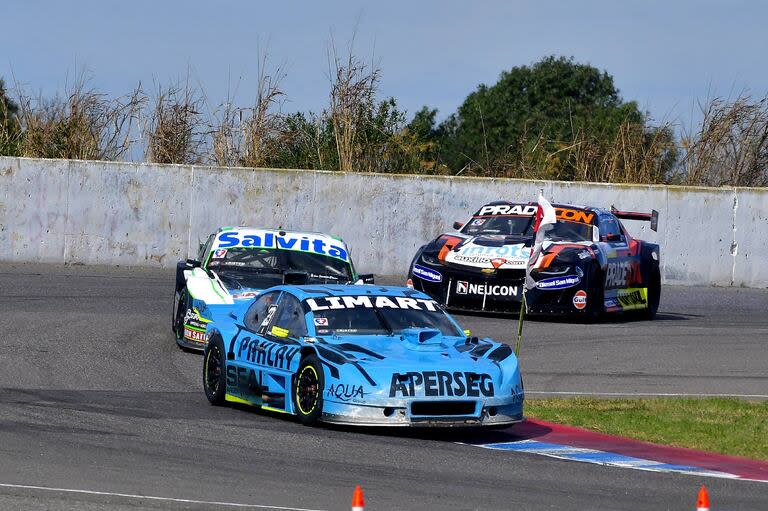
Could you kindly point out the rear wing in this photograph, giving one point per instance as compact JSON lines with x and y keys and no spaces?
{"x":652,"y":217}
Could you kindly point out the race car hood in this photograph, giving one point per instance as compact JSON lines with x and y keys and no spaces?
{"x":494,"y":251}
{"x":397,"y":367}
{"x":402,"y":350}
{"x":484,"y":251}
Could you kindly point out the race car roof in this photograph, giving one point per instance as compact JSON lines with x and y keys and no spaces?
{"x":525,"y":208}
{"x":260,"y":231}
{"x":320,"y":291}
{"x":278,"y":239}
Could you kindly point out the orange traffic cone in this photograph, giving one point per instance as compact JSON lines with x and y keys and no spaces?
{"x":702,"y":503}
{"x":358,"y":504}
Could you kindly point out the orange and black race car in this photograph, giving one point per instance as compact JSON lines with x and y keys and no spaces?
{"x":589,"y":265}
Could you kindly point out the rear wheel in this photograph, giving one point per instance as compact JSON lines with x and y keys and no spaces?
{"x":308,"y":390}
{"x":214,"y":371}
{"x":654,"y":295}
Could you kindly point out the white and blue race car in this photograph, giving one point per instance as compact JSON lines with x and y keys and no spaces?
{"x":236,"y":263}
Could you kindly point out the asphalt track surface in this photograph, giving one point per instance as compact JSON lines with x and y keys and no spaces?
{"x":97,"y":397}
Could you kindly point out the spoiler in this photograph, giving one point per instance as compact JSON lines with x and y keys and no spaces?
{"x":652,"y":217}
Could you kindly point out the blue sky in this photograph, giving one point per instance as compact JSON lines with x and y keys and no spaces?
{"x":664,"y":54}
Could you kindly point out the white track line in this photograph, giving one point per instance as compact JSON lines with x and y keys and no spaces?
{"x":639,"y":394}
{"x":149,"y":497}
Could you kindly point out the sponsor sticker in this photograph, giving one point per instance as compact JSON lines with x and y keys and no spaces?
{"x":508,"y":209}
{"x":279,"y":332}
{"x":632,"y":298}
{"x":219,"y":254}
{"x":580,"y":299}
{"x":478,"y":221}
{"x":441,"y":383}
{"x":622,"y":274}
{"x":293,"y":241}
{"x":471,"y":254}
{"x":345,"y":392}
{"x":574,"y":215}
{"x":321,"y":321}
{"x":498,"y":262}
{"x":558,"y":282}
{"x":469,"y":288}
{"x":427,"y":274}
{"x":370,"y":302}
{"x":264,"y":353}
{"x":194,"y":335}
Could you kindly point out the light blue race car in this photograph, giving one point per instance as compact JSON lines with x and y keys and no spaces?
{"x":359,"y":355}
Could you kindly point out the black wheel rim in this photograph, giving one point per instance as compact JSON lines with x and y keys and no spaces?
{"x":308,"y":390}
{"x":213,"y":369}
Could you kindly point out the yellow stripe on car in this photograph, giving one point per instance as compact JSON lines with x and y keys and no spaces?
{"x":235,"y":399}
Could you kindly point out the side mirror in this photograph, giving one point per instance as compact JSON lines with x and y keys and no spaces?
{"x":194,"y":263}
{"x":365,"y":278}
{"x":458,"y":225}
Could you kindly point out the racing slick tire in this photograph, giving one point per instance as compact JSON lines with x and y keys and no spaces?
{"x":308,"y":390}
{"x":215,"y":371}
{"x":654,"y":296}
{"x":180,"y":311}
{"x":596,"y":295}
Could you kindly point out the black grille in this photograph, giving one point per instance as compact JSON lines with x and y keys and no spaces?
{"x":437,"y":408}
{"x":511,"y":273}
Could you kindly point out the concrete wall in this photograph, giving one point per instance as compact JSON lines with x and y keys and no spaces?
{"x":140,"y":214}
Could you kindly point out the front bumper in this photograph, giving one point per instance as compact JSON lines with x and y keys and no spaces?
{"x":191,"y":344}
{"x":559,"y":301}
{"x":407,"y":415}
{"x":471,"y":290}
{"x":456,"y":292}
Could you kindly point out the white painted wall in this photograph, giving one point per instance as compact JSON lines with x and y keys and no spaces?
{"x":64,"y":211}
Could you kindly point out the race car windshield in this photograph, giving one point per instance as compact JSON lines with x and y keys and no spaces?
{"x":379,"y":321}
{"x":505,"y":225}
{"x":569,"y":231}
{"x":271,"y":263}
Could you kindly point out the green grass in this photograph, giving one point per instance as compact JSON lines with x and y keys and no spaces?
{"x":724,"y":425}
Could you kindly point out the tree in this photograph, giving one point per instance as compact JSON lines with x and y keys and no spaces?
{"x":549,"y":102}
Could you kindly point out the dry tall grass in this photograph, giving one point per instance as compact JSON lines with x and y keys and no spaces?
{"x":85,"y":125}
{"x":353,"y":89}
{"x":730,"y":147}
{"x":247,"y":136}
{"x":175,"y":131}
{"x":358,"y":133}
{"x":634,"y":154}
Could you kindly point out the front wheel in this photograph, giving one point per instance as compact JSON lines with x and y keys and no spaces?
{"x":180,"y":313}
{"x":308,"y":390}
{"x":214,"y":371}
{"x":596,"y":295}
